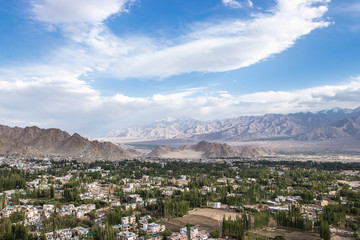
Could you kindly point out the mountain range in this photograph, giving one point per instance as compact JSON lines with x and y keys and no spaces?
{"x":331,"y":130}
{"x":322,"y":125}
{"x":37,"y":142}
{"x":348,"y":127}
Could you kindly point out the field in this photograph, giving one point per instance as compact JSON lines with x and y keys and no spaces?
{"x":289,"y":234}
{"x":203,"y":218}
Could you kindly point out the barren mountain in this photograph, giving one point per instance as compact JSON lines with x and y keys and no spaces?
{"x":348,"y":127}
{"x":36,"y":142}
{"x":205,"y":149}
{"x":235,"y":129}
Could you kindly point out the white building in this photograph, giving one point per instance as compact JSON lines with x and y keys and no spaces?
{"x":144,"y":226}
{"x":128,"y":220}
{"x":155,"y":228}
{"x":64,"y":234}
{"x":214,"y":204}
{"x":126,"y":235}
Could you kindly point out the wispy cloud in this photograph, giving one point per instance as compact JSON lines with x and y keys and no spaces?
{"x":237,"y":4}
{"x":232,"y":3}
{"x":215,"y":47}
{"x":231,"y":44}
{"x":79,"y":11}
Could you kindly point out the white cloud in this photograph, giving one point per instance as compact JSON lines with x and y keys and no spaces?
{"x":237,"y":4}
{"x":83,"y":20}
{"x":73,"y":105}
{"x":225,"y":46}
{"x":208,"y":47}
{"x":232,"y":3}
{"x":79,"y":11}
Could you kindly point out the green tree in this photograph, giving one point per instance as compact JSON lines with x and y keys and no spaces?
{"x":325,"y":230}
{"x":20,"y":232}
{"x":109,"y":232}
{"x":6,"y":230}
{"x":52,"y":191}
{"x":43,"y":236}
{"x":188,"y":233}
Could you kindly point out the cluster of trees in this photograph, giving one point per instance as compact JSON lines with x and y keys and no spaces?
{"x":37,"y":193}
{"x":10,"y":231}
{"x":328,"y":166}
{"x":170,"y":208}
{"x":307,"y":196}
{"x":98,"y":233}
{"x":15,"y":198}
{"x":71,"y":194}
{"x":114,"y":216}
{"x":118,"y":191}
{"x":56,"y":222}
{"x":353,"y":198}
{"x":233,"y":228}
{"x":335,"y":214}
{"x":17,"y":216}
{"x":261,"y":220}
{"x":293,"y":218}
{"x":71,"y":191}
{"x":11,"y":179}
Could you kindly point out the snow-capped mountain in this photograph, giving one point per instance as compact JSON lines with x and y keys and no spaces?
{"x":235,"y":129}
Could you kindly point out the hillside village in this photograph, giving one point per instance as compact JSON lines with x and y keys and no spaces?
{"x":157,"y":198}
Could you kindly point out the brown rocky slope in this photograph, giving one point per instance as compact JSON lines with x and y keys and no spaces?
{"x":206,"y":149}
{"x":37,"y":142}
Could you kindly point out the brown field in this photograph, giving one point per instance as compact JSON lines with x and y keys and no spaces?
{"x":289,"y":234}
{"x":203,"y":218}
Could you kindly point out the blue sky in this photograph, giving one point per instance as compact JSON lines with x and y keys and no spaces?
{"x":90,"y":66}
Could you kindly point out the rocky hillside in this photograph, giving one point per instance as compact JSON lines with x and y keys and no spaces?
{"x":235,"y":129}
{"x":205,"y":149}
{"x":348,"y":127}
{"x":37,"y":142}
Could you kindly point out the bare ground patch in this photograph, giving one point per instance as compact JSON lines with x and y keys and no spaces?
{"x":204,"y":218}
{"x":289,"y":234}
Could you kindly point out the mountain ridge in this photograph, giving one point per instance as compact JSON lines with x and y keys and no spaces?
{"x":36,"y":142}
{"x":348,"y":127}
{"x":243,"y":128}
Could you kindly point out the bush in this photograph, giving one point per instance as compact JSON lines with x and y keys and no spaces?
{"x":215,"y":233}
{"x":167,"y":233}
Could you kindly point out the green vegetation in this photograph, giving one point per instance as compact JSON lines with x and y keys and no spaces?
{"x":240,"y":184}
{"x":233,"y":228}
